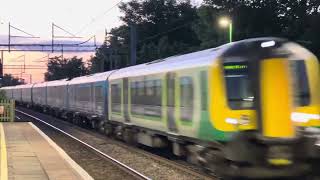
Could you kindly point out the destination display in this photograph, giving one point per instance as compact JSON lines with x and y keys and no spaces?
{"x":234,"y":68}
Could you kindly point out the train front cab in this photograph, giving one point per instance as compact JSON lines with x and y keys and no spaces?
{"x":272,"y":106}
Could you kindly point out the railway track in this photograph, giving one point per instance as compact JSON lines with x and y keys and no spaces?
{"x":186,"y":169}
{"x":113,"y":160}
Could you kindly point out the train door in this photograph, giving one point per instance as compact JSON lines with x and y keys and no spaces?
{"x":125,"y":100}
{"x":92,"y":99}
{"x":171,"y":77}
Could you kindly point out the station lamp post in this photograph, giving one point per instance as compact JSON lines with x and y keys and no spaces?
{"x":226,"y":22}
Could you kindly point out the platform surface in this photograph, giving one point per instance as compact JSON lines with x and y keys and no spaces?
{"x":27,"y":153}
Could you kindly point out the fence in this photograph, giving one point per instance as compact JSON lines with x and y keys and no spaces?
{"x":7,"y":110}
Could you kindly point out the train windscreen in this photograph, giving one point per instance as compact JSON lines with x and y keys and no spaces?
{"x":300,"y":83}
{"x":239,"y":92}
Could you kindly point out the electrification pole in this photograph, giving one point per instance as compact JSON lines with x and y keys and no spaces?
{"x":133,"y":44}
{"x":1,"y":69}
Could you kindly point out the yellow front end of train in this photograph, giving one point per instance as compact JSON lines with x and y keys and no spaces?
{"x":273,"y":110}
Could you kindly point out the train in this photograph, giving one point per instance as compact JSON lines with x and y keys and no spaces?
{"x":249,"y":108}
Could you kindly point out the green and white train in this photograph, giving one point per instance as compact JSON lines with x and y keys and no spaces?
{"x":240,"y":109}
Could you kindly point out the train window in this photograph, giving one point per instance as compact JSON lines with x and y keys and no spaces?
{"x":98,"y":94}
{"x":84,"y":94}
{"x":158,"y":89}
{"x":145,"y":97}
{"x":116,"y":93}
{"x":150,"y":88}
{"x":300,"y":83}
{"x":239,"y":92}
{"x":140,"y":89}
{"x":133,"y":92}
{"x":146,"y":92}
{"x":116,"y":98}
{"x":186,"y":98}
{"x":154,"y":98}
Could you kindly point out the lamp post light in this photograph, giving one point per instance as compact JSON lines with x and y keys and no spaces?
{"x":226,"y":22}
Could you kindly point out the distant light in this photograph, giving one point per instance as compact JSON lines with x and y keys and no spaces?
{"x":303,"y":117}
{"x":224,"y":22}
{"x":232,"y":121}
{"x":268,"y":44}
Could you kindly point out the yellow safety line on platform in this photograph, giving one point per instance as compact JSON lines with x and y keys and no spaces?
{"x":4,"y":165}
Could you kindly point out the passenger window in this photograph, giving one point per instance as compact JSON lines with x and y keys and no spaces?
{"x":84,"y":94}
{"x":116,"y":97}
{"x":98,"y":94}
{"x":141,"y":89}
{"x":186,"y":98}
{"x":150,"y":88}
{"x":145,"y":97}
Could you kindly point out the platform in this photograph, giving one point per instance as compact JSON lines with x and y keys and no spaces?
{"x":27,"y":153}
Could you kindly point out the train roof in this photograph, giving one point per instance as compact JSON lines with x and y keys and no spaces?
{"x":21,"y":86}
{"x":91,"y":78}
{"x":27,"y":85}
{"x":41,"y":84}
{"x":192,"y":60}
{"x":8,"y":87}
{"x":60,"y":82}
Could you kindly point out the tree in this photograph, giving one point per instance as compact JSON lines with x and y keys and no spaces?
{"x":291,"y":19}
{"x":171,"y":27}
{"x":9,"y":80}
{"x":159,"y":20}
{"x":162,"y":26}
{"x":65,"y":68}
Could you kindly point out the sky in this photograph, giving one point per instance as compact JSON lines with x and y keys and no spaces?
{"x":83,"y":18}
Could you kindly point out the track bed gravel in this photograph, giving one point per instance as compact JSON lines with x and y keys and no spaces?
{"x":151,"y":167}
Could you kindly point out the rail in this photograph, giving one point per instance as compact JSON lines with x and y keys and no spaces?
{"x":120,"y":164}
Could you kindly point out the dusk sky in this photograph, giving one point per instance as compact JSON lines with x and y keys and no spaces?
{"x":81,"y":17}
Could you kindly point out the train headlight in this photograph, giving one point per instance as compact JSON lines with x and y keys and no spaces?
{"x":232,"y":121}
{"x":244,"y":120}
{"x":303,"y":117}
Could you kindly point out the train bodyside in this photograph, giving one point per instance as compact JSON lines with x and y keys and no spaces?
{"x":56,"y":93}
{"x":26,"y":94}
{"x":8,"y":91}
{"x":203,"y":101}
{"x":39,"y":95}
{"x":87,"y":98}
{"x":169,"y":96}
{"x":17,"y":93}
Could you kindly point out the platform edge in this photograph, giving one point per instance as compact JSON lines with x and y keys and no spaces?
{"x":84,"y":174}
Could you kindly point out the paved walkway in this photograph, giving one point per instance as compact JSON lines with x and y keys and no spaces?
{"x":27,"y":153}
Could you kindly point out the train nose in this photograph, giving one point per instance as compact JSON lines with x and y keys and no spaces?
{"x":275,"y":96}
